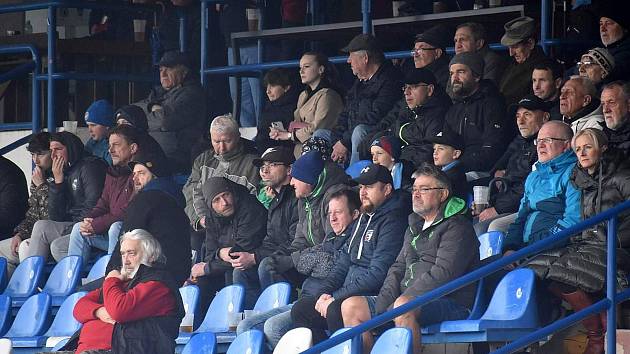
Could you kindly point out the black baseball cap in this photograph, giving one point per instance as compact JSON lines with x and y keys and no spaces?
{"x":276,"y":154}
{"x":373,"y":173}
{"x":532,"y":103}
{"x":450,"y":138}
{"x":417,"y":76}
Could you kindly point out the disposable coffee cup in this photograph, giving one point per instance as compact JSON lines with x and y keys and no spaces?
{"x":480,"y":198}
{"x":139,"y":28}
{"x":252,"y":19}
{"x":70,"y":126}
{"x":187,"y":323}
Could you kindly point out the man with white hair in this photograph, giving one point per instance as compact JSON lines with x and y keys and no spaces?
{"x":138,"y":309}
{"x":579,"y":104}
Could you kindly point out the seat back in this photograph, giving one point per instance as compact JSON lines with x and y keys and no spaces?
{"x":98,"y":269}
{"x":354,"y":170}
{"x":3,"y":274}
{"x":481,"y":301}
{"x":5,"y":313}
{"x":201,"y":343}
{"x":394,"y":341}
{"x":351,"y":346}
{"x":25,"y":278}
{"x":64,"y":324}
{"x":64,"y":277}
{"x":274,"y":296}
{"x":190,"y":298}
{"x":294,"y":341}
{"x":228,"y":300}
{"x":514,"y":299}
{"x":250,"y":342}
{"x":490,"y":244}
{"x":32,"y":317}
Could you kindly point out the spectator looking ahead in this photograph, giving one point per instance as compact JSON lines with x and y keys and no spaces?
{"x":579,"y":104}
{"x":429,"y":52}
{"x":546,"y":83}
{"x":372,"y":95}
{"x":447,"y":150}
{"x":616,"y":107}
{"x":471,"y":37}
{"x":596,"y":64}
{"x":39,"y":147}
{"x":614,"y":25}
{"x":99,"y":118}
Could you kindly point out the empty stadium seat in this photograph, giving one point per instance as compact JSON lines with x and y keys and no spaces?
{"x":64,"y":324}
{"x":250,"y":342}
{"x":354,"y":170}
{"x":274,"y":296}
{"x":394,"y":341}
{"x":490,"y":244}
{"x":351,"y":346}
{"x":98,"y":269}
{"x":24,"y":281}
{"x":294,"y":341}
{"x":228,"y":300}
{"x":63,"y":279}
{"x":512,"y":313}
{"x":30,"y":322}
{"x":202,"y":343}
{"x":190,"y":298}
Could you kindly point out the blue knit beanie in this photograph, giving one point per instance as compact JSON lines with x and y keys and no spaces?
{"x":100,"y":112}
{"x":308,"y":167}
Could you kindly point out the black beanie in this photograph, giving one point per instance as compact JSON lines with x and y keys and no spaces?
{"x":214,"y":186}
{"x":134,"y":115}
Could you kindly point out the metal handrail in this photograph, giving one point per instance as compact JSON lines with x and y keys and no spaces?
{"x":609,"y":215}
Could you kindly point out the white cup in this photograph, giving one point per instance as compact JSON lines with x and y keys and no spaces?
{"x":70,"y":126}
{"x":187,"y":323}
{"x":481,"y":194}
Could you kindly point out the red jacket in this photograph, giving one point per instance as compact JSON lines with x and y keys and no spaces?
{"x":114,"y":199}
{"x":145,"y":300}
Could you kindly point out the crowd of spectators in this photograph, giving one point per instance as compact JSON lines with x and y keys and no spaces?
{"x":553,"y":148}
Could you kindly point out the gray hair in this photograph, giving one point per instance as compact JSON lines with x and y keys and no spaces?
{"x":625,"y":88}
{"x":151,"y":249}
{"x":225,"y":124}
{"x":587,"y":85}
{"x":436,"y":173}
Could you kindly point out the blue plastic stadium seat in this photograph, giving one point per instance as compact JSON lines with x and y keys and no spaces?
{"x":393,"y":341}
{"x":3,"y":274}
{"x":98,"y":269}
{"x":202,"y":343}
{"x":64,"y":324}
{"x":228,"y":300}
{"x":5,"y":313}
{"x":190,"y":298}
{"x":24,"y":281}
{"x":490,"y":244}
{"x":354,"y":170}
{"x":351,"y":346}
{"x":512,"y":313}
{"x":30,"y":322}
{"x":274,"y":296}
{"x":250,"y":342}
{"x":63,"y":279}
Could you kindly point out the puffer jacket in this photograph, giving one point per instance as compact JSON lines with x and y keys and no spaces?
{"x":590,"y":116}
{"x":550,"y":203}
{"x":368,"y":102}
{"x":517,"y":161}
{"x":313,"y":224}
{"x":180,"y":122}
{"x":479,"y":120}
{"x":83,"y":181}
{"x":282,"y":219}
{"x":516,"y":82}
{"x":371,"y":249}
{"x":236,"y":165}
{"x":434,"y":256}
{"x":583,"y":262}
{"x":620,"y":138}
{"x":413,"y":126}
{"x":13,"y":197}
{"x":244,"y":230}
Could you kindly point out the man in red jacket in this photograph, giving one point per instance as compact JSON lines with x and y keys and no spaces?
{"x":138,"y":309}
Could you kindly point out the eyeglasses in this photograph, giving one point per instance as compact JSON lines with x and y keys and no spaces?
{"x":585,"y":63}
{"x":267,"y":166}
{"x":548,"y":141}
{"x":425,"y":190}
{"x":418,"y":51}
{"x":412,"y":87}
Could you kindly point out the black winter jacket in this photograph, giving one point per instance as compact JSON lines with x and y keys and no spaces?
{"x":82,"y":185}
{"x":13,"y":197}
{"x":516,"y":82}
{"x":433,"y":257}
{"x":517,"y":161}
{"x":243,"y":231}
{"x":620,"y":138}
{"x":367,"y":102}
{"x":457,"y":177}
{"x":159,"y":209}
{"x":280,"y":110}
{"x":282,"y":219}
{"x":620,"y":51}
{"x":479,"y":120}
{"x":440,"y":69}
{"x":154,"y":334}
{"x":372,"y":246}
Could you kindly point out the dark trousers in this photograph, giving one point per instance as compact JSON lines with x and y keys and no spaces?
{"x":303,"y":314}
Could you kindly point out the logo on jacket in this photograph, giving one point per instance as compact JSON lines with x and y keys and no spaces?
{"x":368,"y":235}
{"x":75,"y":184}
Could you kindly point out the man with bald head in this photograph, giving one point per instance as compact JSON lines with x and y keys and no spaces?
{"x":579,"y":104}
{"x":550,"y":203}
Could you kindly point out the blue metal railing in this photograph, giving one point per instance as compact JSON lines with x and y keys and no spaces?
{"x":612,"y":297}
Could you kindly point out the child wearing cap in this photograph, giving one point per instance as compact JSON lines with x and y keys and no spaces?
{"x":385,"y":151}
{"x":447,"y":149}
{"x":99,"y":118}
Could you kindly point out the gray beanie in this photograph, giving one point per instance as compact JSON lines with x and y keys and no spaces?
{"x":473,"y":61}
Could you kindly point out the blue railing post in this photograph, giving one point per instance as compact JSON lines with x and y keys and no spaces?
{"x":183,"y":19}
{"x":544,"y":24}
{"x":611,"y":284}
{"x":366,"y":10}
{"x":204,"y":41}
{"x":52,"y":52}
{"x":35,"y":99}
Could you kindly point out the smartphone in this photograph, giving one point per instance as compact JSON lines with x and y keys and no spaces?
{"x":278,"y":126}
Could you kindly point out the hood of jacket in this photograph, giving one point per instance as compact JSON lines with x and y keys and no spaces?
{"x":74,"y":146}
{"x":168,"y":186}
{"x":556,"y":165}
{"x":330,"y":176}
{"x":453,"y":206}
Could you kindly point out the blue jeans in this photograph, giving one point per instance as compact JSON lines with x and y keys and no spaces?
{"x":80,"y":245}
{"x":250,"y":87}
{"x":249,"y":280}
{"x":358,"y":134}
{"x":274,"y":323}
